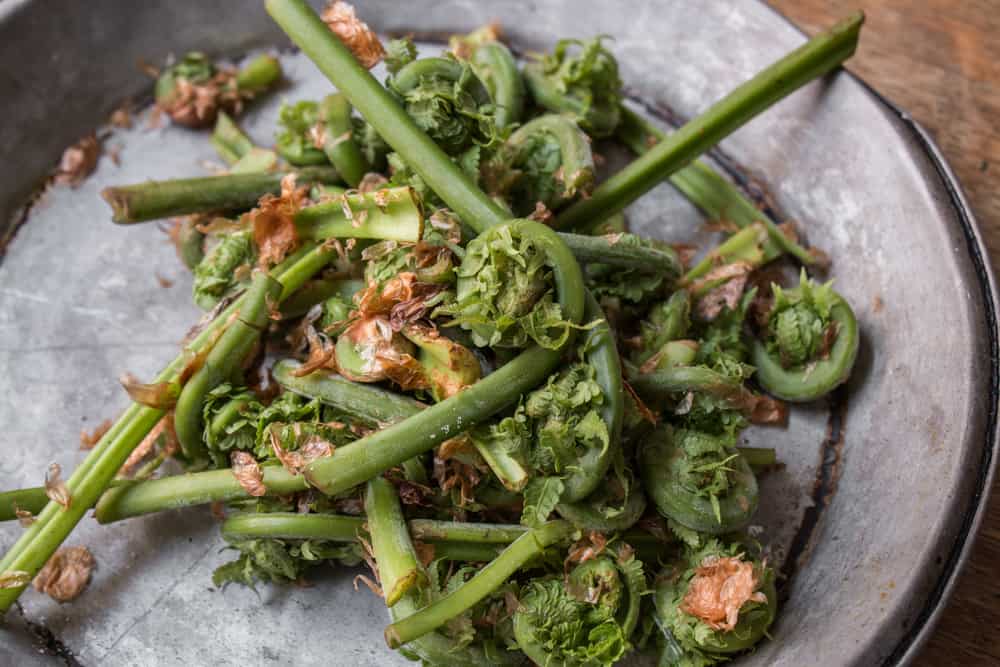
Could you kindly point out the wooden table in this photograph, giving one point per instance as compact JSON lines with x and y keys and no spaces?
{"x":940,"y":61}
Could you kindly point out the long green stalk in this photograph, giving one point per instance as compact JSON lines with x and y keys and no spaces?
{"x":491,"y":577}
{"x":387,"y":526}
{"x":818,"y":56}
{"x":450,"y":540}
{"x":394,"y":556}
{"x":711,"y":192}
{"x":393,"y":214}
{"x":429,"y":530}
{"x":317,"y":291}
{"x":225,"y":357}
{"x":30,"y":499}
{"x":383,"y":112}
{"x":366,"y":401}
{"x":90,"y":479}
{"x":154,"y":200}
{"x":610,"y":250}
{"x":230,"y":142}
{"x":339,"y":145}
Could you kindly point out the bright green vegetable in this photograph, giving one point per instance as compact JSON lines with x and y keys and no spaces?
{"x":558,"y":444}
{"x":614,"y":506}
{"x":388,"y":214}
{"x":258,"y":75}
{"x":220,"y":364}
{"x":546,"y":161}
{"x":387,"y":527}
{"x":666,"y":321}
{"x":713,"y":194}
{"x":192,"y":90}
{"x":215,"y":276}
{"x":580,"y":79}
{"x":815,"y":58}
{"x":339,"y":145}
{"x":494,"y":64}
{"x":232,"y":192}
{"x":585,"y":618}
{"x":447,"y":101}
{"x":229,"y":140}
{"x":487,"y":580}
{"x":190,"y":242}
{"x":298,"y":135}
{"x":394,"y":557}
{"x":368,"y":402}
{"x":504,"y":295}
{"x":810,"y":344}
{"x":750,"y":604}
{"x":698,"y":480}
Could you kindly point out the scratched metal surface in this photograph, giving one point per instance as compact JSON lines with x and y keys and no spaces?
{"x":870,"y":515}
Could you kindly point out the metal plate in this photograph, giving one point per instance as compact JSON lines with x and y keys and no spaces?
{"x":883,"y":486}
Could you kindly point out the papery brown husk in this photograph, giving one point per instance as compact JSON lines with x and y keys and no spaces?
{"x":66,"y":573}
{"x":157,"y":395}
{"x":248,"y":473}
{"x":724,"y":296}
{"x":78,"y":161}
{"x":273,"y":222}
{"x":163,"y":433}
{"x":295,"y":461}
{"x":719,"y":589}
{"x":354,"y":33}
{"x":55,"y":488}
{"x":197,"y":104}
{"x":91,"y":438}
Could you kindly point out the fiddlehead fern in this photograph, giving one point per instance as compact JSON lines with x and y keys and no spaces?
{"x":494,"y":64}
{"x":223,"y":360}
{"x":810,"y":342}
{"x":581,"y":79}
{"x":281,"y":560}
{"x":504,"y":292}
{"x":666,"y":321}
{"x":616,"y":505}
{"x":215,"y":276}
{"x":193,"y":90}
{"x":235,"y":420}
{"x":698,"y":480}
{"x":447,"y":101}
{"x":545,"y":162}
{"x":713,"y":602}
{"x":298,"y":139}
{"x":586,"y":618}
{"x":646,"y":270}
{"x":559,"y":443}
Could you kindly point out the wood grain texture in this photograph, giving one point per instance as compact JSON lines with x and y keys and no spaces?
{"x":940,"y":61}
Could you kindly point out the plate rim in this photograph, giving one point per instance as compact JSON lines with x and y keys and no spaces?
{"x":913,"y":641}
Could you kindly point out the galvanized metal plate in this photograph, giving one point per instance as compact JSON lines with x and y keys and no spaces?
{"x":882,"y":487}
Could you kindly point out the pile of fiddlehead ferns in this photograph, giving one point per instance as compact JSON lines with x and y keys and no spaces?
{"x":530,"y":436}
